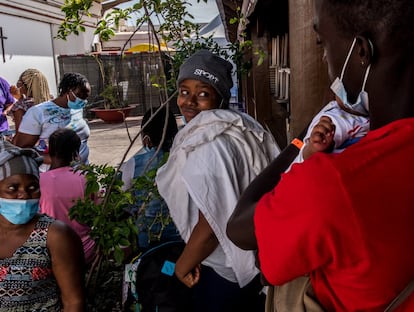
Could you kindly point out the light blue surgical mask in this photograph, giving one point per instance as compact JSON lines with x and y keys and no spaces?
{"x":19,"y":211}
{"x":183,"y":120}
{"x":145,"y":141}
{"x":147,"y":149}
{"x":78,"y":103}
{"x":361,"y":104}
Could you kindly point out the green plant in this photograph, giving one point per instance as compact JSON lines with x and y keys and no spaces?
{"x":145,"y":190}
{"x":74,"y":11}
{"x":112,"y":227}
{"x":175,"y":28}
{"x":109,"y":211}
{"x":111,"y":95}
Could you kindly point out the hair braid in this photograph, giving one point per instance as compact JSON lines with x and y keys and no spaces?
{"x":36,"y":84}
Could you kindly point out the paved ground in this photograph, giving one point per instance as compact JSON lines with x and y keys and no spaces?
{"x":109,"y":142}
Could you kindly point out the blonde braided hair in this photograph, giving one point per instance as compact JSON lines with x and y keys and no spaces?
{"x":36,"y":84}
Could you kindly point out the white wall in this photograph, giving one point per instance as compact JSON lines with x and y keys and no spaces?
{"x":30,"y":27}
{"x":28,"y":45}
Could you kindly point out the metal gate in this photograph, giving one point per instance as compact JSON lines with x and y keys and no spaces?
{"x":138,"y":75}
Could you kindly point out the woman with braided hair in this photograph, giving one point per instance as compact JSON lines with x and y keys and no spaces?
{"x":31,"y":89}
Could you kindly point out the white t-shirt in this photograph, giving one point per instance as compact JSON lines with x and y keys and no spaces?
{"x":45,"y":118}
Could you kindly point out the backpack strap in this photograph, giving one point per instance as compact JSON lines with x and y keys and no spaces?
{"x":406,"y":292}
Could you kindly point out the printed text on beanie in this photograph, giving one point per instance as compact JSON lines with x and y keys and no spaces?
{"x":209,"y":76}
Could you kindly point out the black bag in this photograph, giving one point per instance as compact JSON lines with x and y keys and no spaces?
{"x":152,"y":284}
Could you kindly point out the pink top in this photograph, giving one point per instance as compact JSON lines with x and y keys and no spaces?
{"x":60,"y":188}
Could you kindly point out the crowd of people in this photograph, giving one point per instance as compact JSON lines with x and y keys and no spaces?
{"x":329,"y":231}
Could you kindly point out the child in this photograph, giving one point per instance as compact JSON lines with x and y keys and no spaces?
{"x":333,"y":129}
{"x":61,"y":186}
{"x":151,"y":224}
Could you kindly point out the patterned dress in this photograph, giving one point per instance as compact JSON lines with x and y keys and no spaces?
{"x":23,"y":104}
{"x":27,"y":282}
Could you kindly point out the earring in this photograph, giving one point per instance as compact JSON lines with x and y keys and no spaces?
{"x":362,"y":63}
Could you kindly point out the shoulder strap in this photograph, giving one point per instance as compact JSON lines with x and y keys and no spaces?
{"x":401,"y":297}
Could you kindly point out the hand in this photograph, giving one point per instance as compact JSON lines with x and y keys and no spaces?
{"x":191,"y":278}
{"x":15,"y":92}
{"x":322,"y":135}
{"x":321,"y":138}
{"x":7,"y":110}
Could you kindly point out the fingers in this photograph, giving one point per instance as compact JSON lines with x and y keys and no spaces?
{"x":322,"y":134}
{"x":190,"y":279}
{"x":15,"y":92}
{"x":324,"y":128}
{"x":196,"y":274}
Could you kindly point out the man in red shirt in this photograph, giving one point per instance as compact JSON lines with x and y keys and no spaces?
{"x":347,"y":219}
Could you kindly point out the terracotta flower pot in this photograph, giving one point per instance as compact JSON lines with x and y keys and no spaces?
{"x":113,"y":115}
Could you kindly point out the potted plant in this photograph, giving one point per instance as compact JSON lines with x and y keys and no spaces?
{"x":114,"y":108}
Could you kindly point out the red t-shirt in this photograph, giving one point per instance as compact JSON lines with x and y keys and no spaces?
{"x":348,"y":220}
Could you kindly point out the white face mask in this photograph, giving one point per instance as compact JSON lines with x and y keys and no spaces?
{"x":361,"y":104}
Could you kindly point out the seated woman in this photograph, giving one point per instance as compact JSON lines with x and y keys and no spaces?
{"x":31,"y":89}
{"x":65,"y":111}
{"x":155,"y":225}
{"x":41,"y":259}
{"x":61,"y":187}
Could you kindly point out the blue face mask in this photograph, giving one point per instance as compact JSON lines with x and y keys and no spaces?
{"x":77,"y":103}
{"x":147,"y":149}
{"x":361,"y":104}
{"x":19,"y":211}
{"x":183,"y":120}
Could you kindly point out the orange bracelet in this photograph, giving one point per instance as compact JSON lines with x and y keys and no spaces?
{"x":298,"y":143}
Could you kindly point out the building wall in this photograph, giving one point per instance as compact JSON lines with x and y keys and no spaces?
{"x":309,"y":78}
{"x":308,"y":85}
{"x":30,"y":27}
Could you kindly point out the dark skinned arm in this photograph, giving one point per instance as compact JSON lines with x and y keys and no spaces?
{"x":240,"y":227}
{"x":25,"y":140}
{"x":68,"y":265}
{"x":201,"y":244}
{"x":29,"y":140}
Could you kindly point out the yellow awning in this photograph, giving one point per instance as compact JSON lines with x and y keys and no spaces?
{"x":148,"y":47}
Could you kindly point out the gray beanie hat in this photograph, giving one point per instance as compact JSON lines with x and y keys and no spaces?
{"x":16,"y":160}
{"x":209,"y":68}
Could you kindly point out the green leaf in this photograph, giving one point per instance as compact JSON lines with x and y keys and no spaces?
{"x":118,"y":255}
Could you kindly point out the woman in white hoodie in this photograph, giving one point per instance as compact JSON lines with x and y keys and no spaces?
{"x":212,"y":160}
